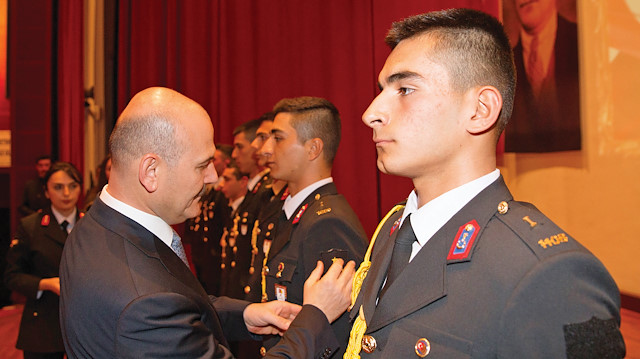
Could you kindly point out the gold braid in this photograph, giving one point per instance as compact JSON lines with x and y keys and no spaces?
{"x":360,"y":324}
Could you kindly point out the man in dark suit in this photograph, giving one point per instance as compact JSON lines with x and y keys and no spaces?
{"x":125,"y":289}
{"x":546,"y":114}
{"x":316,"y":222}
{"x":464,"y":270}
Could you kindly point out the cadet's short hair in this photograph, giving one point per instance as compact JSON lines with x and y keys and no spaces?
{"x":471,"y":45}
{"x":249,"y":129}
{"x":225,"y":149}
{"x":314,"y":117}
{"x":236,"y":171}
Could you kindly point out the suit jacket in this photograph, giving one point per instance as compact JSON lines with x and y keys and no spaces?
{"x":324,"y":221}
{"x":126,"y":294}
{"x":525,"y":289}
{"x":35,"y":254}
{"x":553,"y":122}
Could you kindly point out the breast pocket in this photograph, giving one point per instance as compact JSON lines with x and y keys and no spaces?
{"x":280,"y":281}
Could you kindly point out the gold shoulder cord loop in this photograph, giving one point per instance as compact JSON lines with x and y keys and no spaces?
{"x":360,"y":325}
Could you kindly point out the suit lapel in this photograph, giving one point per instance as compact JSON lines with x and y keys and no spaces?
{"x":423,"y":280}
{"x":176,"y":267}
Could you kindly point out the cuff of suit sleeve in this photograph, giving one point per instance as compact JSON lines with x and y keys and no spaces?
{"x":315,"y":321}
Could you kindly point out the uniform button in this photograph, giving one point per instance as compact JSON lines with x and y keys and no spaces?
{"x":35,"y":314}
{"x":369,"y":344}
{"x":247,"y":289}
{"x":265,"y":270}
{"x":263,"y":351}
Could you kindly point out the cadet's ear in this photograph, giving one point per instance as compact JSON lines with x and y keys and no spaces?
{"x":148,"y":172}
{"x":488,"y":101}
{"x":314,"y":148}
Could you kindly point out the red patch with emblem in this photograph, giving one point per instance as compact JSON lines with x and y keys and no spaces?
{"x":462,"y":244}
{"x":296,"y":219}
{"x":395,"y":226}
{"x":45,"y":220}
{"x":285,"y":194}
{"x":255,"y":189}
{"x":81,"y":214}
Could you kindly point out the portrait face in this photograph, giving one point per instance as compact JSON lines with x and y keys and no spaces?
{"x":183,"y":184}
{"x":42,"y":166}
{"x":220,"y":162}
{"x":534,"y":13}
{"x":262,"y":134}
{"x":286,"y":155}
{"x":231,"y":187}
{"x":243,"y":153}
{"x":416,"y":117}
{"x":63,"y":192}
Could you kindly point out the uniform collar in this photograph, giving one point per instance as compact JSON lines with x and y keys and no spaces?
{"x":71,"y":219}
{"x":292,"y":203}
{"x":429,"y":218}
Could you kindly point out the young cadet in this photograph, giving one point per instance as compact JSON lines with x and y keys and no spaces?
{"x":316,"y":222}
{"x":464,"y":270}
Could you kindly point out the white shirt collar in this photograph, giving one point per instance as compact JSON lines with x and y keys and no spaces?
{"x":428,"y":219}
{"x":292,"y":203}
{"x":152,"y":223}
{"x":71,"y":219}
{"x":253,"y":181}
{"x":235,"y":204}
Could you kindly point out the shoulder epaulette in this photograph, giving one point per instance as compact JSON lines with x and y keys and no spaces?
{"x":535,"y":229}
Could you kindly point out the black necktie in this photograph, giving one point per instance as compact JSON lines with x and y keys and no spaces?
{"x":401,"y":253}
{"x":64,"y":225}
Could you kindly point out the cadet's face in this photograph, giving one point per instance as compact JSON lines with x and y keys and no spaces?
{"x":231,"y":187}
{"x":63,"y":191}
{"x":243,"y":153}
{"x":42,"y":166}
{"x":415,"y":118}
{"x":262,"y":134}
{"x":219,"y":162}
{"x":533,"y":13}
{"x":185,"y":182}
{"x":286,"y":155}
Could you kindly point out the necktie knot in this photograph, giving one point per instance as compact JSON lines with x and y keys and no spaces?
{"x":178,"y":249}
{"x":64,"y":226}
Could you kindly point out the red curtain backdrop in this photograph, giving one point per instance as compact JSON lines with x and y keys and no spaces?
{"x":70,"y":83}
{"x":238,"y":58}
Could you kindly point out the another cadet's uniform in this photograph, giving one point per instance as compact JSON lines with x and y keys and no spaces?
{"x":323,"y":222}
{"x":35,"y":254}
{"x":203,"y":233}
{"x":498,"y":280}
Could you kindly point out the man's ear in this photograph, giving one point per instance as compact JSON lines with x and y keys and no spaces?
{"x":488,"y":104}
{"x":148,"y":172}
{"x":314,"y":148}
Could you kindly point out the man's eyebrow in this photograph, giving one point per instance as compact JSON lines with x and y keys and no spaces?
{"x":275,"y":130}
{"x":205,"y":162}
{"x":401,"y":76}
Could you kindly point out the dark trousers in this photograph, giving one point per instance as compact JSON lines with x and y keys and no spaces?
{"x":34,"y":355}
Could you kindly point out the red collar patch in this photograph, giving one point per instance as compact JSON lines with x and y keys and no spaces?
{"x":46,"y":219}
{"x":395,"y":226}
{"x":81,"y":214}
{"x":285,"y":194}
{"x":296,"y":219}
{"x":255,"y":189}
{"x":462,"y":244}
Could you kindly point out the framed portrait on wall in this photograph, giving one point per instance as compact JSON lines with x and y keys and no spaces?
{"x":546,"y":113}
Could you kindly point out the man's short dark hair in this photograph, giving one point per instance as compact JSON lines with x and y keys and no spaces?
{"x":249,"y":129}
{"x":472,"y":46}
{"x":65,"y":167}
{"x":43,"y":157}
{"x":225,"y":149}
{"x":314,"y":117}
{"x":236,"y":171}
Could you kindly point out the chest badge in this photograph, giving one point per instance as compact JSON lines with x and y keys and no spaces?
{"x":463,"y":242}
{"x":423,"y":347}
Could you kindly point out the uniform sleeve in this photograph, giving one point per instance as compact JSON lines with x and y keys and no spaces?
{"x":309,"y":336}
{"x":18,"y":275}
{"x":160,"y":324}
{"x":566,"y":306}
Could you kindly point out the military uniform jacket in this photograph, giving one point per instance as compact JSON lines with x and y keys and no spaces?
{"x":125,"y":294}
{"x":35,"y":254}
{"x":522,"y":288}
{"x":324,"y":221}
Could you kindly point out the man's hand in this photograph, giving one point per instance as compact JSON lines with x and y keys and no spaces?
{"x":272,"y":317}
{"x":50,"y":284}
{"x":331,"y":293}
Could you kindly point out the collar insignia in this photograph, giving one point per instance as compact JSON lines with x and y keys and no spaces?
{"x":296,"y":219}
{"x":462,"y":244}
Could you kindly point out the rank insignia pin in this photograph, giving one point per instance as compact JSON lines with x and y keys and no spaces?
{"x":463,"y":242}
{"x":296,"y":219}
{"x":395,"y":226}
